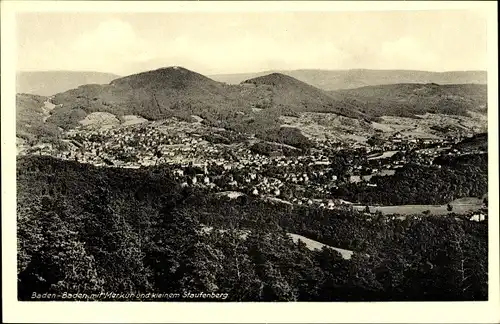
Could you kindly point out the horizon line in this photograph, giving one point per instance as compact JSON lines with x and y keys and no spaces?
{"x":253,"y":72}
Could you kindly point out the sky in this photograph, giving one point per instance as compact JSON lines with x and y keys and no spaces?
{"x":218,"y":43}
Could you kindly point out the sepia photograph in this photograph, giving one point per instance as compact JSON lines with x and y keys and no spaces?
{"x":190,"y":156}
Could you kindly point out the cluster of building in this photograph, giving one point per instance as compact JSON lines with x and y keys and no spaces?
{"x":196,"y":161}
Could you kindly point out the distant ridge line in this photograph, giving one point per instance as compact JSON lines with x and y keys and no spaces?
{"x":355,"y":78}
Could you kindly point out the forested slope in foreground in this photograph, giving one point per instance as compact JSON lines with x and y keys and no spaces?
{"x":90,"y":230}
{"x":447,"y":179}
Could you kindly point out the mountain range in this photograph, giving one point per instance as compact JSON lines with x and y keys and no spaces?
{"x":176,"y":91}
{"x":355,"y":78}
{"x":410,"y":99}
{"x":256,"y":104}
{"x":47,"y":83}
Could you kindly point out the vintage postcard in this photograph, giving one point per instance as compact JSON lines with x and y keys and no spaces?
{"x":250,"y":161}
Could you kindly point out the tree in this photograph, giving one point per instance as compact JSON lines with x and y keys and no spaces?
{"x":201,"y":266}
{"x":97,"y":235}
{"x":239,"y":279}
{"x":158,"y":154}
{"x":62,"y":263}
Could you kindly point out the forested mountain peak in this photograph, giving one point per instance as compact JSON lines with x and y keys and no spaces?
{"x":168,"y":77}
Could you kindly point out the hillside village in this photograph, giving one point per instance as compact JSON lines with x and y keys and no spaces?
{"x":217,"y":160}
{"x":293,"y":156}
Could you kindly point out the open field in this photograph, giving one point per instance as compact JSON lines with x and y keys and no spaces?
{"x":460,"y":206}
{"x":132,"y":120}
{"x":322,"y":126}
{"x":310,"y":244}
{"x":315,"y":245}
{"x":100,"y":119}
{"x":47,"y":108}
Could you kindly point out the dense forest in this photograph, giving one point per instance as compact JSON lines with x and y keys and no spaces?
{"x":449,"y":178}
{"x":90,"y":230}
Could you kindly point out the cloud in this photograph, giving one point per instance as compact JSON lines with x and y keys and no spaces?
{"x":107,"y":46}
{"x":111,"y":37}
{"x":108,"y":34}
{"x":407,"y":52}
{"x":114,"y":45}
{"x":225,"y":43}
{"x":245,"y":53}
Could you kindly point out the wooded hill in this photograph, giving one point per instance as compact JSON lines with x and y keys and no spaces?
{"x":255,"y":105}
{"x":176,"y":91}
{"x":163,"y":92}
{"x":408,"y":100}
{"x":30,"y":124}
{"x":90,"y":230}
